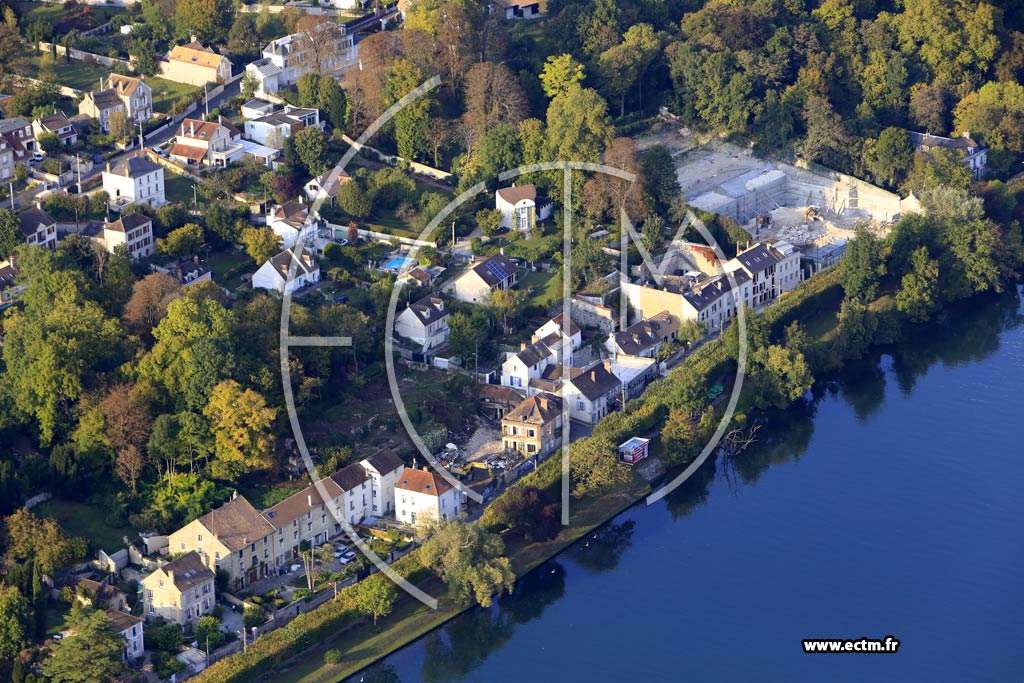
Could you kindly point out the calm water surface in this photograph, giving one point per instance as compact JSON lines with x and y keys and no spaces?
{"x":891,"y":502}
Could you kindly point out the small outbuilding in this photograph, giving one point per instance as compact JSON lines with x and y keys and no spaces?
{"x":633,"y":451}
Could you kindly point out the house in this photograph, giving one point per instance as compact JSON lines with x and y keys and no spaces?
{"x":494,"y":401}
{"x":424,"y":322}
{"x":288,"y":220}
{"x":773,"y":269}
{"x":134,"y":180}
{"x":8,"y":159}
{"x":646,"y":337}
{"x":520,"y":207}
{"x":59,"y":125}
{"x":324,"y":184}
{"x":563,"y":343}
{"x":235,"y":537}
{"x":975,"y":155}
{"x":634,"y":450}
{"x":383,"y":469}
{"x":130,"y":628}
{"x":10,"y":287}
{"x":100,"y":595}
{"x":633,"y":372}
{"x":285,"y":60}
{"x":18,"y":134}
{"x":136,"y":95}
{"x":101,"y":105}
{"x":824,"y":256}
{"x":590,"y":393}
{"x":134,"y":231}
{"x":273,"y":129}
{"x":180,"y":591}
{"x":195,"y":64}
{"x":488,"y":275}
{"x":38,"y":228}
{"x":529,"y":363}
{"x":255,"y":108}
{"x":205,"y":143}
{"x":522,"y":9}
{"x":422,"y":496}
{"x":534,"y":427}
{"x":187,"y":272}
{"x":275,"y":273}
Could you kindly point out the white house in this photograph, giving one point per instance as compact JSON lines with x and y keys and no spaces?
{"x":287,"y":221}
{"x":129,"y":627}
{"x":422,"y":496}
{"x":255,"y":108}
{"x":286,"y":60}
{"x":590,"y":393}
{"x":205,"y":143}
{"x":556,"y":338}
{"x":644,"y":338}
{"x":274,"y":274}
{"x":274,"y":128}
{"x":476,"y":284}
{"x":424,"y":322}
{"x":520,"y":207}
{"x":529,"y":363}
{"x":58,"y":124}
{"x":330,"y":189}
{"x":38,"y":228}
{"x":522,"y":9}
{"x":384,"y":469}
{"x":773,"y":269}
{"x":134,"y":231}
{"x":135,"y":180}
{"x":975,"y":154}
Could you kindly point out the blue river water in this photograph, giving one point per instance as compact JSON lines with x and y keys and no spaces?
{"x":890,"y":503}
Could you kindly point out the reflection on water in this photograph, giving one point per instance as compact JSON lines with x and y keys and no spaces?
{"x":601,"y":550}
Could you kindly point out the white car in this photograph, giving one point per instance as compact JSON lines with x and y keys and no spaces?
{"x":346,"y":557}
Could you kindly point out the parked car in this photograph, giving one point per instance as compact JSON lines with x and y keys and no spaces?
{"x":159,"y":150}
{"x":346,"y":557}
{"x":341,"y":299}
{"x":340,"y":549}
{"x":97,"y":158}
{"x":36,"y":158}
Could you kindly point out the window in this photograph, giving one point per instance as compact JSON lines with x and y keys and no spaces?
{"x":199,"y":538}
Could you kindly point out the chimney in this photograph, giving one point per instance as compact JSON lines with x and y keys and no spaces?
{"x":108,"y":165}
{"x":543,"y":401}
{"x":426,"y":469}
{"x":195,"y":260}
{"x":309,"y":499}
{"x":170,"y":574}
{"x":522,"y":346}
{"x":192,"y":128}
{"x":234,"y":494}
{"x":593,"y":375}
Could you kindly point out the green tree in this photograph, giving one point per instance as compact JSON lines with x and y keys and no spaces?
{"x":469,"y":559}
{"x":863,"y":266}
{"x":241,"y":425}
{"x":375,"y":596}
{"x":781,"y":376}
{"x":10,"y":233}
{"x":92,"y":654}
{"x":14,"y":615}
{"x":489,"y":221}
{"x":354,"y":200}
{"x":185,"y":241}
{"x":119,"y":125}
{"x":243,"y":39}
{"x":595,"y":468}
{"x":889,"y":157}
{"x":49,"y":142}
{"x":41,"y":540}
{"x":978,"y":247}
{"x":261,"y":244}
{"x":412,"y":123}
{"x":208,"y":633}
{"x":466,"y":332}
{"x":559,"y":74}
{"x":311,"y":147}
{"x":995,"y":112}
{"x":523,"y":509}
{"x":207,"y":20}
{"x":578,"y":126}
{"x":856,"y":331}
{"x":918,"y":295}
{"x":624,"y":66}
{"x":253,"y":616}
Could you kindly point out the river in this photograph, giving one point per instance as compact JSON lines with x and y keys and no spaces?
{"x":889,"y":503}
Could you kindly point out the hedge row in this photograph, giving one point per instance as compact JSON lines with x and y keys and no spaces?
{"x":306,"y":630}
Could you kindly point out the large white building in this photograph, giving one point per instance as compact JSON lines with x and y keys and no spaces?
{"x":486,"y":276}
{"x":424,"y":322}
{"x":383,"y":468}
{"x":135,"y":180}
{"x":273,"y":129}
{"x":422,"y":496}
{"x":206,"y":143}
{"x":286,"y":60}
{"x":520,"y":207}
{"x":134,"y":231}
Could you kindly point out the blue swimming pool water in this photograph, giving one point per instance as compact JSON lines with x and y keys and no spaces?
{"x":397,"y":263}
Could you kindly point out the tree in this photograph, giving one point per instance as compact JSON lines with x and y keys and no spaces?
{"x":240,"y":421}
{"x":559,"y":74}
{"x":321,"y":41}
{"x":253,"y":616}
{"x":354,"y":200}
{"x":524,"y":509}
{"x":128,"y":421}
{"x":595,"y":468}
{"x":492,"y":96}
{"x":469,"y":560}
{"x":243,"y":39}
{"x":412,"y":123}
{"x":49,"y":142}
{"x":624,"y":65}
{"x":185,"y":241}
{"x":660,"y":178}
{"x":505,"y":303}
{"x":119,"y":125}
{"x":375,"y":596}
{"x":857,"y":326}
{"x":466,"y":332}
{"x":10,"y":232}
{"x":333,"y":102}
{"x":208,"y":633}
{"x":863,"y":267}
{"x":207,"y":20}
{"x":918,"y":295}
{"x":978,"y":248}
{"x":781,"y":376}
{"x":286,"y":188}
{"x":889,"y":157}
{"x":827,"y":139}
{"x":149,"y":301}
{"x":995,"y":112}
{"x":14,"y":615}
{"x":92,"y":654}
{"x":261,"y":244}
{"x":311,"y":147}
{"x":34,"y":539}
{"x":489,"y":221}
{"x":578,"y":126}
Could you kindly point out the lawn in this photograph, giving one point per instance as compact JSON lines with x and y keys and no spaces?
{"x":228,"y":266}
{"x":58,"y":618}
{"x":547,"y":288}
{"x":53,"y":13}
{"x":85,"y":520}
{"x":178,"y":188}
{"x":77,"y":74}
{"x":166,"y":93}
{"x":263,"y":496}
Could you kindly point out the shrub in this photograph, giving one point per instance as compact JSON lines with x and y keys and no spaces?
{"x":332,"y":657}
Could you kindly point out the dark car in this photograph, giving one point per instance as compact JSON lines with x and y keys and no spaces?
{"x":97,"y":158}
{"x":341,"y":299}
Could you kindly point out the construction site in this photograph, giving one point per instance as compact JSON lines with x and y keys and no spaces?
{"x":806,"y":205}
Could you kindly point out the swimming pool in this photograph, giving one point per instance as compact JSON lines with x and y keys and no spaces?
{"x":397,"y":263}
